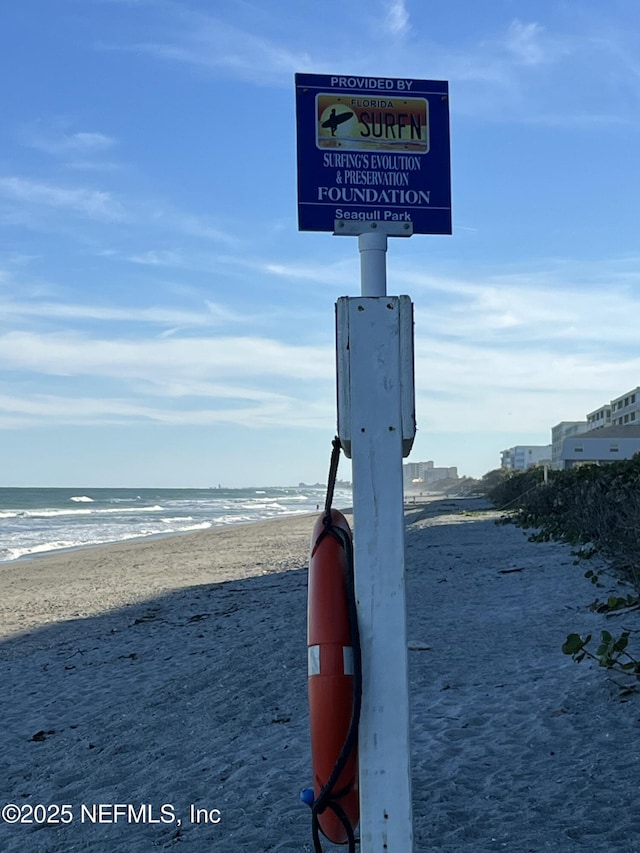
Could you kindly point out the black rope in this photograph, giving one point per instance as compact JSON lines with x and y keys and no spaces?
{"x":344,"y":820}
{"x":333,"y":474}
{"x":328,"y":798}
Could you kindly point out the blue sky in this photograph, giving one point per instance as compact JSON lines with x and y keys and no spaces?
{"x":163,"y":322}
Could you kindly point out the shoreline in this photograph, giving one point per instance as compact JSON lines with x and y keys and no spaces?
{"x":87,"y":581}
{"x":45,"y":521}
{"x":133,"y":540}
{"x":410,"y":502}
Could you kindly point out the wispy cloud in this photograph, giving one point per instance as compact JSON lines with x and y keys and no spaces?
{"x":552,"y":307}
{"x":505,"y":59}
{"x":211,"y":314}
{"x":257,"y":411}
{"x":31,"y":202}
{"x":218,"y":380}
{"x":152,"y":359}
{"x":159,"y":258}
{"x":197,"y":226}
{"x":98,"y":166}
{"x":509,"y":390}
{"x":336,"y":274}
{"x":79,"y":150}
{"x":60,"y":143}
{"x":501,"y":74}
{"x":525,"y":42}
{"x":510,"y":351}
{"x":208,"y":42}
{"x":397,"y":18}
{"x":95,"y":204}
{"x":523,"y":351}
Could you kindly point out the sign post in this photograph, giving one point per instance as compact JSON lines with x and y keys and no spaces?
{"x":373,"y":162}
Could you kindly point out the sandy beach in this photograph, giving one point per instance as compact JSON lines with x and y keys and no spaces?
{"x":170,"y":674}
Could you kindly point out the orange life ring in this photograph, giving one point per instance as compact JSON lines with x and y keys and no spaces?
{"x":331,"y":676}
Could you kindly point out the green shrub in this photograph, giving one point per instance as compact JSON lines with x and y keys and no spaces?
{"x":594,"y":507}
{"x":611,"y":653}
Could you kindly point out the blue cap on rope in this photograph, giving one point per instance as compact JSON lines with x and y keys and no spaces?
{"x":307,"y":796}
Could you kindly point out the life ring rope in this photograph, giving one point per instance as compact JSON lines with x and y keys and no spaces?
{"x":328,"y":798}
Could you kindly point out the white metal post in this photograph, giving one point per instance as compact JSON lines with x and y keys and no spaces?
{"x":373,"y":266}
{"x":376,"y":429}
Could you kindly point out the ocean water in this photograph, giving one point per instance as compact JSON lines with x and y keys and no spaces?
{"x":40,"y":521}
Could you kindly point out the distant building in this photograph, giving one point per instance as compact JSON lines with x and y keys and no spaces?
{"x":626,"y":409}
{"x":424,"y":473}
{"x":600,"y":417}
{"x":524,"y":456}
{"x":415,"y":471}
{"x":600,"y":446}
{"x":610,"y":432}
{"x":620,"y":411}
{"x":565,"y":429}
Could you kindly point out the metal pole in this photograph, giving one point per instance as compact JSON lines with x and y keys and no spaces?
{"x":373,"y":263}
{"x":386,"y":824}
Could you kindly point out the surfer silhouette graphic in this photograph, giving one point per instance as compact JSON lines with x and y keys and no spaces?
{"x":334,"y":120}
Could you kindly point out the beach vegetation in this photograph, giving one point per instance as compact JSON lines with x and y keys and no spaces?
{"x":594,"y":508}
{"x":590,"y":574}
{"x":494,"y":478}
{"x":615,"y":604}
{"x":610,"y":653}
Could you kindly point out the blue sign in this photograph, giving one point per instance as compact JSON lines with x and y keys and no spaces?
{"x":373,"y":149}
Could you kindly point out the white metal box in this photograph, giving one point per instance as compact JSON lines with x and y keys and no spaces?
{"x":374,"y":342}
